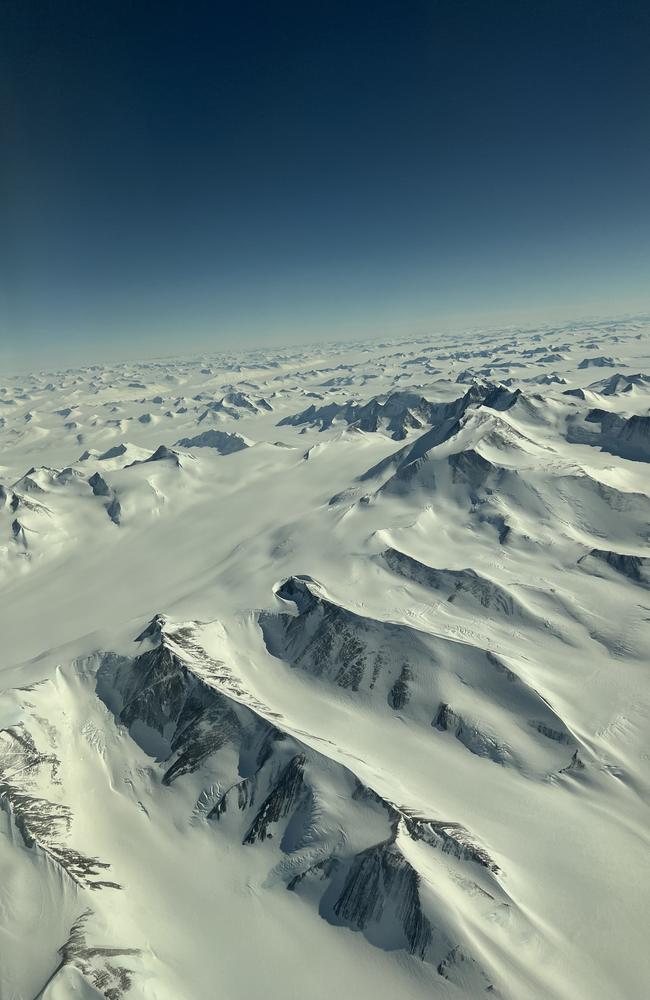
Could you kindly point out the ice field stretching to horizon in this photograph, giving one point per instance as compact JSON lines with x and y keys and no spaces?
{"x":324,"y":671}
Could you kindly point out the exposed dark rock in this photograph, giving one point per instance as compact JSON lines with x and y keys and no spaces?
{"x":99,"y":485}
{"x":627,"y":437}
{"x":399,"y":693}
{"x":450,"y":838}
{"x":158,"y":690}
{"x":575,"y":764}
{"x":323,"y":870}
{"x":635,"y":568}
{"x":222,"y":441}
{"x":280,"y":801}
{"x":115,"y":452}
{"x":451,"y":583}
{"x":161,"y":454}
{"x":400,"y":412}
{"x":552,"y":734}
{"x":111,"y":980}
{"x":114,"y":510}
{"x":18,"y":532}
{"x":41,"y":821}
{"x":472,"y":738}
{"x":599,"y":362}
{"x":379,"y":878}
{"x":470,"y":468}
{"x":332,"y":646}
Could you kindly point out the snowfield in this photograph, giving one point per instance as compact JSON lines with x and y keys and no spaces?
{"x":325,"y":672}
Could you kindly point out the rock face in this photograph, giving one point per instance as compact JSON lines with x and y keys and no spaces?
{"x":161,"y":454}
{"x":104,"y":968}
{"x":453,"y":585}
{"x":281,"y":800}
{"x":627,"y":437}
{"x":635,"y":568}
{"x":40,"y":821}
{"x":275,"y":794}
{"x":620,"y":383}
{"x":115,"y":452}
{"x":114,"y":510}
{"x":393,"y":663}
{"x":158,"y":694}
{"x":99,"y":485}
{"x":379,"y":880}
{"x":235,"y":405}
{"x":222,"y":441}
{"x":598,"y":362}
{"x":399,"y":412}
{"x":470,"y":735}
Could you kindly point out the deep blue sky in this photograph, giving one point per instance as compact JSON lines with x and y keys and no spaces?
{"x":193,"y":174}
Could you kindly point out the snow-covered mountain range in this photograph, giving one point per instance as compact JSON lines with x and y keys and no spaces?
{"x":324,"y":672}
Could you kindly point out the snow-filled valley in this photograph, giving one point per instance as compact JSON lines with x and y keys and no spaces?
{"x":325,"y":672}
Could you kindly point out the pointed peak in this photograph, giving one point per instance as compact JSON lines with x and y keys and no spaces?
{"x":155,"y":628}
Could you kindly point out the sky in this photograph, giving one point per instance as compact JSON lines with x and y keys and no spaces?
{"x":198,"y":175}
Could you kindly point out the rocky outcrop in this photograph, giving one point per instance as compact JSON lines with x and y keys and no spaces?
{"x":99,"y":485}
{"x":224,"y":442}
{"x":470,"y":735}
{"x":398,"y":413}
{"x":399,"y":693}
{"x":159,"y":692}
{"x":621,"y":383}
{"x":450,"y":838}
{"x":598,"y":362}
{"x":42,"y":821}
{"x":235,"y":405}
{"x":635,"y":568}
{"x":106,"y":969}
{"x":280,"y":801}
{"x":394,"y":662}
{"x":452,"y":584}
{"x":161,"y":454}
{"x":381,"y":879}
{"x":114,"y":510}
{"x":627,"y":437}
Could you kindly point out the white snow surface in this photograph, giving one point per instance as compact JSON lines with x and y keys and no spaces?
{"x":324,"y":672}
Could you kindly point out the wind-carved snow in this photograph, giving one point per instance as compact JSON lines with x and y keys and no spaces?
{"x":337,"y":652}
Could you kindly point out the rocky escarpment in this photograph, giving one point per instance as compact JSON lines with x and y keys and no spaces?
{"x":426,"y":677}
{"x":453,"y":585}
{"x":398,"y":413}
{"x":619,"y":383}
{"x":378,"y":879}
{"x":324,"y":830}
{"x":635,"y":568}
{"x":158,"y":694}
{"x":233,"y":406}
{"x":224,"y":442}
{"x":470,"y":734}
{"x":627,"y":437}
